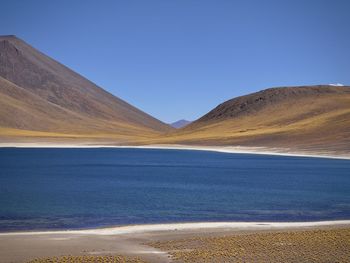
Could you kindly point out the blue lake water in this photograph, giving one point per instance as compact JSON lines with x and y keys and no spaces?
{"x":84,"y":188}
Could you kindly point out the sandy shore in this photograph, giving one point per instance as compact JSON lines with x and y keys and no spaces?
{"x":135,"y":229}
{"x":135,"y":240}
{"x":223,"y":149}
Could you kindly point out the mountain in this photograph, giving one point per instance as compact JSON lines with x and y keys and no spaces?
{"x":180,"y":124}
{"x":42,"y":98}
{"x":299,"y":118}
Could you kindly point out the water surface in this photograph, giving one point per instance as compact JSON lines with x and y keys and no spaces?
{"x":84,"y":188}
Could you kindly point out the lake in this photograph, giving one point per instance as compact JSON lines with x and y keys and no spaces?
{"x":47,"y":188}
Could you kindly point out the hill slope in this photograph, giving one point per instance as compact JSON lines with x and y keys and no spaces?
{"x":307,"y":117}
{"x":42,"y":95}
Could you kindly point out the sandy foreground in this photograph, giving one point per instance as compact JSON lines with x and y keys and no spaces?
{"x":148,"y":242}
{"x":223,"y":149}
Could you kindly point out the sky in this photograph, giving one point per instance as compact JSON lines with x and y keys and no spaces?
{"x":178,"y":59}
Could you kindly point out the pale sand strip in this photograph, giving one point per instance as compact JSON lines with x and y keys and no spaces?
{"x":223,"y":149}
{"x":141,"y":229}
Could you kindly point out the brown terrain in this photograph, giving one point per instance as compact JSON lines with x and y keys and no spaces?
{"x":301,"y":244}
{"x":88,"y":259}
{"x":320,"y":245}
{"x":301,"y":118}
{"x":41,"y":98}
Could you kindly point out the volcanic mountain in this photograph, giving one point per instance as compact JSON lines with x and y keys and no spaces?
{"x":42,"y":98}
{"x":302,"y":118}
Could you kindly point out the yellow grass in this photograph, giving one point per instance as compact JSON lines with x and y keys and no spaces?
{"x":325,"y":121}
{"x":332,"y":245}
{"x":88,"y":259}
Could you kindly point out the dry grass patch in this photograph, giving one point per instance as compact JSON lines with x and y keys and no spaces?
{"x":331,"y":245}
{"x":88,"y":259}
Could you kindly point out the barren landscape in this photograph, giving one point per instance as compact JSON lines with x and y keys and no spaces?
{"x":42,"y":99}
{"x":44,"y":102}
{"x":204,"y":242}
{"x":309,"y":118}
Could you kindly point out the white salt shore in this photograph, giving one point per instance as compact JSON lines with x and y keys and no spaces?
{"x":223,"y":149}
{"x":134,"y":229}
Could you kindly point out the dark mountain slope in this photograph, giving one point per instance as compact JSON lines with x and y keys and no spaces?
{"x":63,"y":89}
{"x":255,"y":102}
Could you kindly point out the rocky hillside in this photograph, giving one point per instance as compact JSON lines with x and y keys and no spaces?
{"x":255,"y":102}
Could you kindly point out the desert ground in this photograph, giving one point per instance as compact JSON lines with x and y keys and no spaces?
{"x":187,"y":242}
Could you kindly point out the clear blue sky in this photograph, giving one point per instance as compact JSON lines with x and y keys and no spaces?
{"x":180,"y":58}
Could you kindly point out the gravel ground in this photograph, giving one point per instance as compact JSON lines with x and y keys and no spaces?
{"x":329,"y":245}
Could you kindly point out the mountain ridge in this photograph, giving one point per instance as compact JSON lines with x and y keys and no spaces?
{"x":41,"y":98}
{"x":302,"y":118}
{"x":29,"y":69}
{"x":243,"y":104}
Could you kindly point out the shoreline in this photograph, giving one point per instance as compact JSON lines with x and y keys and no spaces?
{"x":198,"y":226}
{"x":222,"y":149}
{"x":159,"y":243}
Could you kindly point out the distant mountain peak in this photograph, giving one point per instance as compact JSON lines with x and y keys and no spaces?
{"x":180,"y":123}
